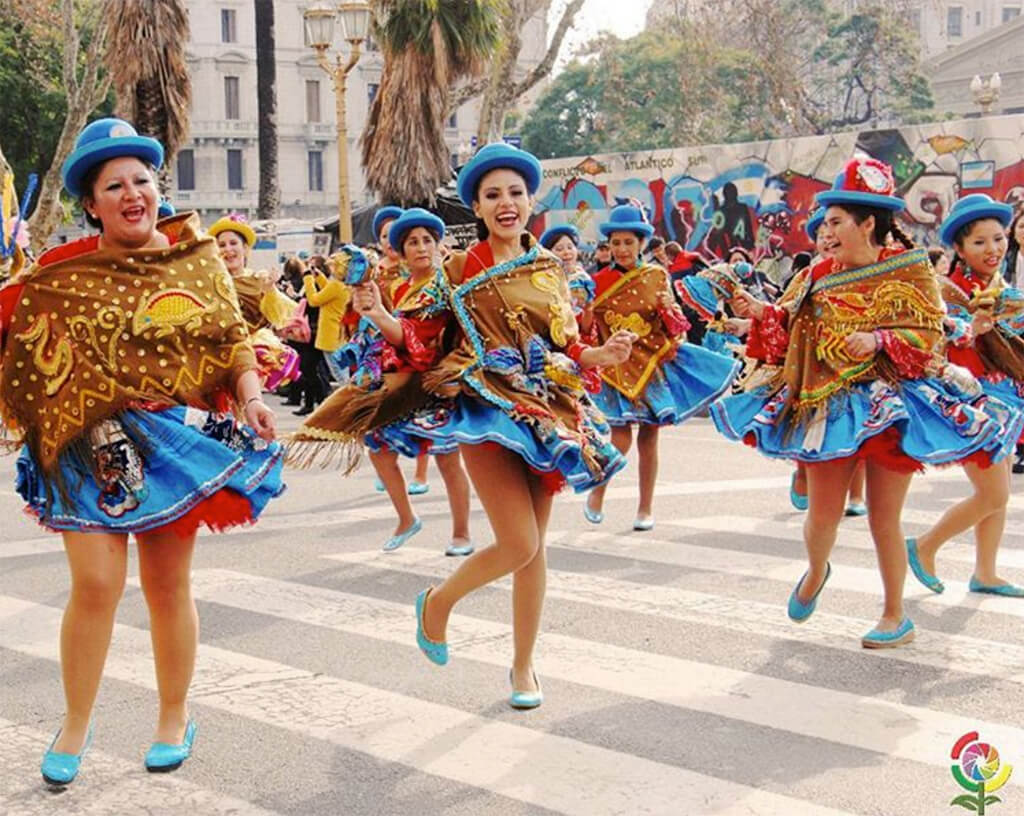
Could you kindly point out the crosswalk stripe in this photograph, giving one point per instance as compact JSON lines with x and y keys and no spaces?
{"x":106,"y":784}
{"x":835,"y":716}
{"x":578,"y":778}
{"x":970,"y":655}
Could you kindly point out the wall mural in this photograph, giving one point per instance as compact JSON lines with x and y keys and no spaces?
{"x":758,"y":195}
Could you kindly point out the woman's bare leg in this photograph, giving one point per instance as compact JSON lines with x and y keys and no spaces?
{"x":385,"y":462}
{"x":647,"y":448}
{"x":887,"y":491}
{"x":827,"y":483}
{"x":457,"y":485}
{"x":622,"y":439}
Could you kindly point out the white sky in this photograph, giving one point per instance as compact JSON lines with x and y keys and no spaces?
{"x":622,"y":17}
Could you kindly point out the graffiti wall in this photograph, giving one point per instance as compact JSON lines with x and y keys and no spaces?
{"x":758,"y":195}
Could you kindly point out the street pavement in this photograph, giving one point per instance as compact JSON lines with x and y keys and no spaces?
{"x":674,"y":682}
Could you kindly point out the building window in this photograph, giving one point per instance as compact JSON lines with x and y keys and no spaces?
{"x":235,"y":181}
{"x":453,"y":120}
{"x":915,"y":20}
{"x":955,"y":21}
{"x":186,"y":174}
{"x":1010,"y":13}
{"x":313,"y":100}
{"x":371,"y":92}
{"x":316,"y":171}
{"x":231,"y":110}
{"x":228,"y":26}
{"x":977,"y":18}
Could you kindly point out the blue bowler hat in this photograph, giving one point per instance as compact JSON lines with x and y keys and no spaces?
{"x":973,"y":208}
{"x":551,"y":235}
{"x":627,"y":218}
{"x":165,"y":208}
{"x":493,"y":157}
{"x":107,"y":139}
{"x":408,"y":221}
{"x":863,"y":182}
{"x":814,"y":222}
{"x":389,"y":213}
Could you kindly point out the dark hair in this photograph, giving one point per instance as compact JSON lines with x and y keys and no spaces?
{"x":294,"y":267}
{"x":89,"y":181}
{"x":935,"y":253}
{"x":742,"y":251}
{"x":672,"y":250}
{"x":1012,"y":246}
{"x":433,"y":234}
{"x":958,"y":240}
{"x":602,"y":245}
{"x":801,"y":260}
{"x":654,"y":243}
{"x":885,"y":223}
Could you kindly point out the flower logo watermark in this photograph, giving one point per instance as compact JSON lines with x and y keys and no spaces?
{"x":980,"y":771}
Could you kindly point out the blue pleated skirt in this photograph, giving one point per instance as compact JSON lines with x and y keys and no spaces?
{"x":680,"y":388}
{"x":937,"y":423}
{"x":405,"y":439}
{"x":187,"y":455}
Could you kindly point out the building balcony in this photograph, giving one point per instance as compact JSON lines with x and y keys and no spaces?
{"x":224,"y":129}
{"x":320,"y":132}
{"x":214,"y":199}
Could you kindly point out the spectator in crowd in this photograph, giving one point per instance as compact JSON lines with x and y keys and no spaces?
{"x":939,"y":259}
{"x":1013,"y":269}
{"x":656,"y":250}
{"x":602,"y":257}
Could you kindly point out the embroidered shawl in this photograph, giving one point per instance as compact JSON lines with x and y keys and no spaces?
{"x":899,"y":293}
{"x":1001,"y":349}
{"x":97,"y":331}
{"x":631,"y":303}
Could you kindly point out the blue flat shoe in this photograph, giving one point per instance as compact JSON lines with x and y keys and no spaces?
{"x":417,"y":488}
{"x":856,"y":509}
{"x":798,"y":501}
{"x":459,"y":549}
{"x":930,"y":581}
{"x":525,"y":700}
{"x":435,"y":652}
{"x":378,"y":485}
{"x":904,"y":633}
{"x":799,"y":612}
{"x":1006,"y":590}
{"x":593,"y":516}
{"x":399,"y":539}
{"x":163,"y":757}
{"x":61,"y":769}
{"x":643,"y":524}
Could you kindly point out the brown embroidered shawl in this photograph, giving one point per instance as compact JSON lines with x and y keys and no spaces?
{"x":1001,"y":349}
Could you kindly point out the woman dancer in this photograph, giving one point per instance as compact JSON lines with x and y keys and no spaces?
{"x":564,"y":241}
{"x":856,"y":336}
{"x":666,"y":380}
{"x":118,"y":350}
{"x":382,"y":405}
{"x":523,"y":423}
{"x":264,"y":306}
{"x":988,"y":317}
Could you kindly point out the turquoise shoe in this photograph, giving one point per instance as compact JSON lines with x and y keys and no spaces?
{"x":930,"y":581}
{"x":417,"y":488}
{"x":378,"y":485}
{"x":459,"y":549}
{"x":856,"y":509}
{"x":163,"y":757}
{"x":593,"y":516}
{"x":643,"y":524}
{"x":889,"y":640}
{"x":799,"y":612}
{"x":798,"y":501}
{"x":61,"y":769}
{"x":1006,"y":590}
{"x":435,"y":652}
{"x":525,"y":700}
{"x":399,"y":539}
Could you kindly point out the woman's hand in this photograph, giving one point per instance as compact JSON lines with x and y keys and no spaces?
{"x":366,"y":299}
{"x":861,"y":345}
{"x":737,"y":326}
{"x":982,"y":323}
{"x":261,"y":419}
{"x":616,"y":349}
{"x":745,"y":304}
{"x":665,"y":300}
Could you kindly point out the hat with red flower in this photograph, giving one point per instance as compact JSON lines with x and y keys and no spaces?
{"x":863,"y":181}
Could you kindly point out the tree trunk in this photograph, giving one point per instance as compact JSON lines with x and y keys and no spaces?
{"x":266,"y":96}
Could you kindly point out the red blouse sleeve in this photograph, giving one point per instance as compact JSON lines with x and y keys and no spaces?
{"x":8,"y":303}
{"x":907,"y":350}
{"x":769,"y":338}
{"x":675,"y":321}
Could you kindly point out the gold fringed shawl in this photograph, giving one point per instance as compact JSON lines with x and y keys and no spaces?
{"x":631,"y":303}
{"x":1001,"y":349}
{"x":97,"y":331}
{"x":899,"y":293}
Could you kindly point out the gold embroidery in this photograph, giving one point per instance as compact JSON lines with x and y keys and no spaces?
{"x":168,"y":309}
{"x":109,"y":318}
{"x":561,"y":312}
{"x":631,"y":322}
{"x":55,"y":364}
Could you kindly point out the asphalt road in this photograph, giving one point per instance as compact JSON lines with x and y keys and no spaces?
{"x":673,"y":681}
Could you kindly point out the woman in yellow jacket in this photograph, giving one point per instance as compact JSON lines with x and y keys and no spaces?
{"x":332,"y":297}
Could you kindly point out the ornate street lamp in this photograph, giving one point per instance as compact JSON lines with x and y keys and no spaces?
{"x":354,"y":17}
{"x":986,"y":92}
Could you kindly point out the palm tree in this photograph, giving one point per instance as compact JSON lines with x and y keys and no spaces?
{"x":427,"y":46}
{"x":146,"y":61}
{"x":266,"y":97}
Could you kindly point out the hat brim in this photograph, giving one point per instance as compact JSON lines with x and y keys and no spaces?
{"x":469,"y":179}
{"x":641,"y":228}
{"x":827,"y":198}
{"x":84,"y":159}
{"x":382,"y":216}
{"x":552,"y":234}
{"x":1003,"y":213}
{"x":812,"y":227}
{"x":225,"y":225}
{"x":401,"y":227}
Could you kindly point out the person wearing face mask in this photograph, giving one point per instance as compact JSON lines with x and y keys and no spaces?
{"x":384,"y":405}
{"x":264,"y":306}
{"x":666,"y":380}
{"x":986,"y":323}
{"x":524,"y":424}
{"x":855,"y":340}
{"x":127,"y":372}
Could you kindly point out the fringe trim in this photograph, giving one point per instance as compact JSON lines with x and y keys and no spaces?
{"x":304,"y":453}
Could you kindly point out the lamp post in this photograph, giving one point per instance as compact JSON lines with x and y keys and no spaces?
{"x":986,"y":92}
{"x":355,"y":22}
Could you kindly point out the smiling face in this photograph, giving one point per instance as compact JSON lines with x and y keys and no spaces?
{"x":982,"y":247}
{"x":124,"y":198}
{"x":566,"y":250}
{"x":850,"y":243}
{"x":626,"y":248}
{"x":503,"y":204}
{"x":233,"y":251}
{"x":419,"y":248}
